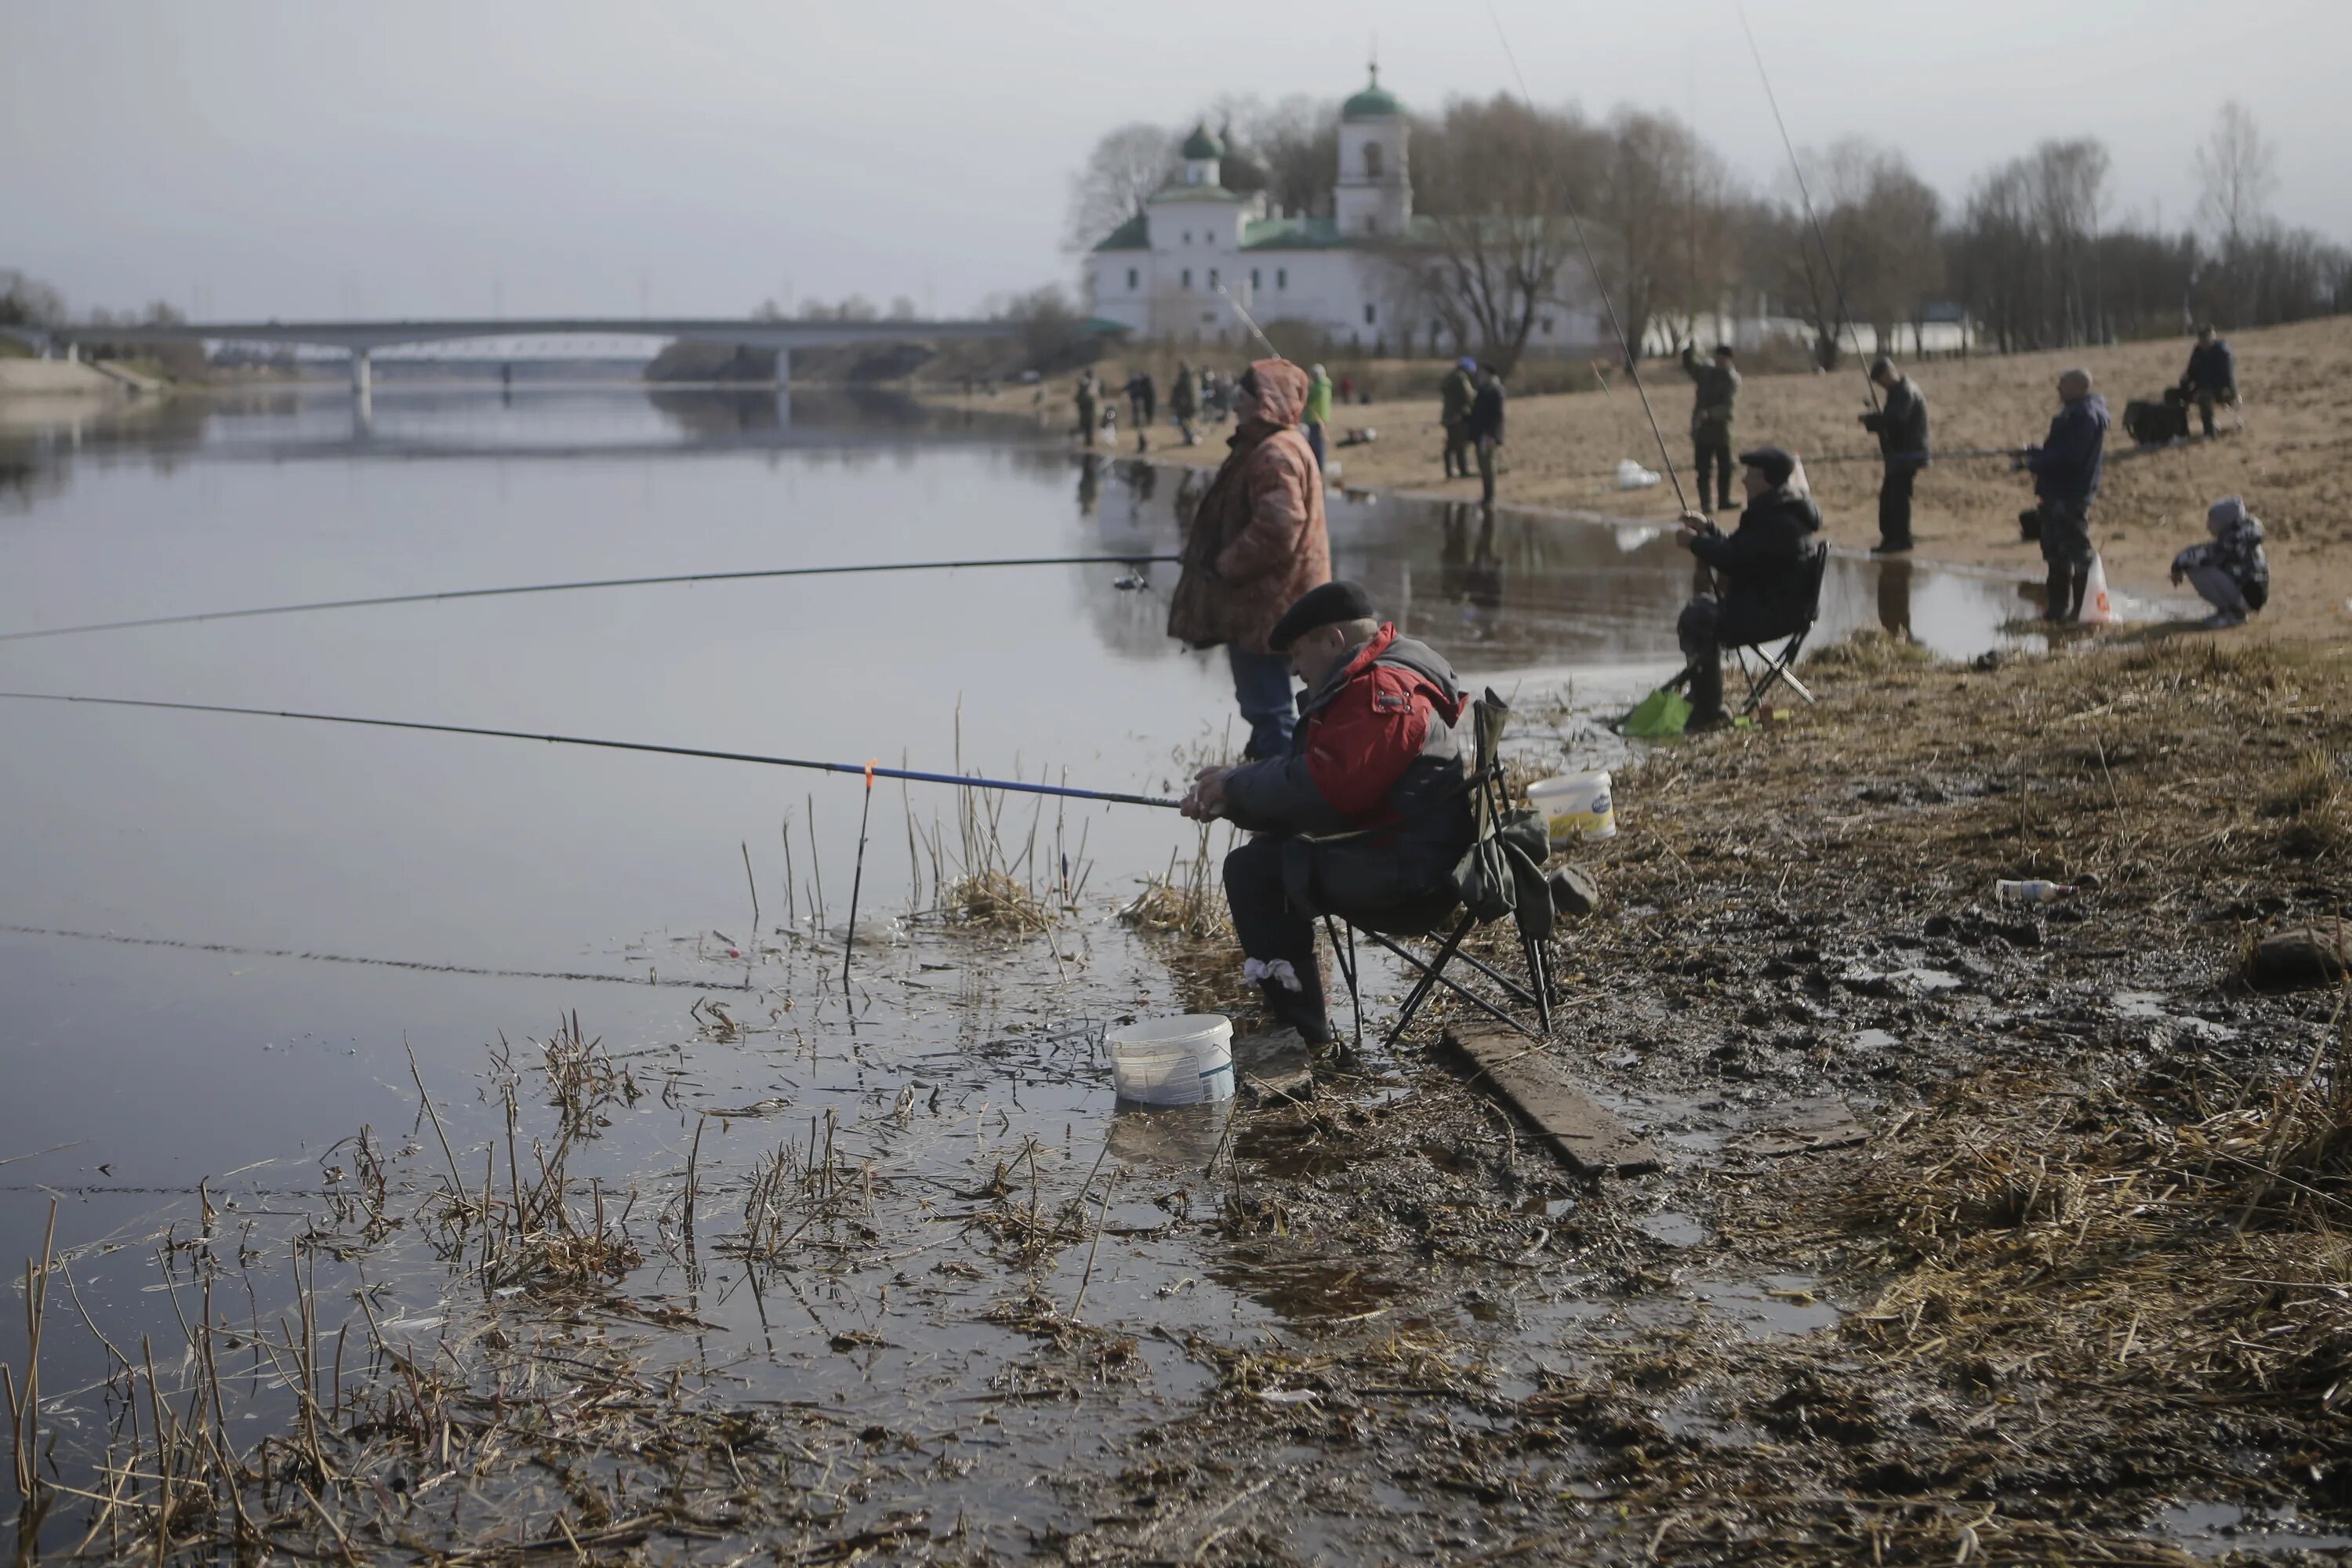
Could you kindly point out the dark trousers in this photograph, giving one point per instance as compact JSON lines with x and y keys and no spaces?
{"x":1262,"y":692}
{"x":2206,"y":398}
{"x":1270,"y":927}
{"x":1711,"y":454}
{"x":2066,"y":550}
{"x":1487,"y":469}
{"x":1457,"y":450}
{"x":1703,"y":652}
{"x":1895,"y":506}
{"x":1314,"y":445}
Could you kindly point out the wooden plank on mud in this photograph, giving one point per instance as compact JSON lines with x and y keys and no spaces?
{"x":1591,"y":1138}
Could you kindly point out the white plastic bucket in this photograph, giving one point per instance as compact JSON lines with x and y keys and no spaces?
{"x":1576,"y":806}
{"x":1183,"y":1060}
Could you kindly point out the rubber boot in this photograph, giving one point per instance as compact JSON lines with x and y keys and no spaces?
{"x":1706,"y":696}
{"x":2057,"y":585}
{"x":1297,"y":1010}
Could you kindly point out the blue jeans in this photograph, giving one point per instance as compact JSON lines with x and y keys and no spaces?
{"x":1262,"y":692}
{"x":1314,"y":445}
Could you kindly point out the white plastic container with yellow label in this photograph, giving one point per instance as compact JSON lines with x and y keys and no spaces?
{"x":1575,"y":808}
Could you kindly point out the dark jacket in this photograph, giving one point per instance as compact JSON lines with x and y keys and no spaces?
{"x":1719,"y":390}
{"x":1766,"y":567}
{"x":1382,"y":750}
{"x":1487,"y":412}
{"x":1902,"y":426}
{"x":1455,"y":394}
{"x":1143,"y":394}
{"x":1183,"y":400}
{"x":1258,"y":539}
{"x":2211,"y":367}
{"x":2066,"y":465}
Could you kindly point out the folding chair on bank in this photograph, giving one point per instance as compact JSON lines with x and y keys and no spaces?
{"x":1444,"y":912}
{"x":1775,"y":669}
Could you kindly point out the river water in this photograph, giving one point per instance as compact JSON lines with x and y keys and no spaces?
{"x":224,"y":939}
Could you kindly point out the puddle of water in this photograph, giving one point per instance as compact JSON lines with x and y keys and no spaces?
{"x":1770,"y":1306}
{"x":1872,"y":1039}
{"x":1673,"y":1229}
{"x":2217,"y":1529}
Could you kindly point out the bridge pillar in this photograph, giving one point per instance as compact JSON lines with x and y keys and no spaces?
{"x":783,"y":370}
{"x":73,"y":353}
{"x":362,"y":374}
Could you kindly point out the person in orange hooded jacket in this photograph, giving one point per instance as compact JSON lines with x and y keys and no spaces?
{"x":1258,"y":543}
{"x":1378,"y":760}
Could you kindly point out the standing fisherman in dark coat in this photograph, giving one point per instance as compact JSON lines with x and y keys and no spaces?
{"x":1765,"y":565}
{"x":1142,"y":399}
{"x":1719,"y":390}
{"x":2211,"y":376}
{"x":1455,"y":394}
{"x":1090,"y":390}
{"x":1184,"y":402}
{"x":1484,"y":426}
{"x":2065,"y":469}
{"x":1902,"y":430}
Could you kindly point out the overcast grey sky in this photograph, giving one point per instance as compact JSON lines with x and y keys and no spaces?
{"x":311,"y":157}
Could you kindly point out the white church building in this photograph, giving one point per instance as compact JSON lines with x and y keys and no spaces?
{"x":1160,"y":273}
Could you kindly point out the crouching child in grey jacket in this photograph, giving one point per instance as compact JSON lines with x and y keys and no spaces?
{"x":2230,"y":572}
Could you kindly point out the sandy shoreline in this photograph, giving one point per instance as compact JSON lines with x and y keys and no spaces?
{"x":2286,"y":454}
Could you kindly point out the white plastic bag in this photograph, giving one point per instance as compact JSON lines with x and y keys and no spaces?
{"x":2099,"y":609}
{"x":1632,"y":476}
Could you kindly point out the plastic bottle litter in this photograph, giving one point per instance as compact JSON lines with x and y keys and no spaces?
{"x":1632,"y":476}
{"x":1183,"y":1060}
{"x":2033,"y":891}
{"x":1575,"y":806}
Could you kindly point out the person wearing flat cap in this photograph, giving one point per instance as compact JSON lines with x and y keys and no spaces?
{"x":1367,"y":812}
{"x":1763,"y":571}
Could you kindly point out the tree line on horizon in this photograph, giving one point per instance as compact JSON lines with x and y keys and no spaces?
{"x":2031,"y":251}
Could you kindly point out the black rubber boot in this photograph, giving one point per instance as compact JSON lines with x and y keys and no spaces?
{"x":1706,"y":696}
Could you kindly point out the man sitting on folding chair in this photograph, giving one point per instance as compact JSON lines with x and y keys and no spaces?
{"x":1764,"y":573}
{"x":1368,"y":813}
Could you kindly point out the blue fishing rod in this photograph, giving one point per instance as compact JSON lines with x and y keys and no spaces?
{"x":869,"y":771}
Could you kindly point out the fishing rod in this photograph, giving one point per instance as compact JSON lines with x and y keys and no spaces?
{"x":1844,"y":315}
{"x":1633,"y":370}
{"x":866,"y":770}
{"x":1247,"y":321}
{"x":593,"y":582}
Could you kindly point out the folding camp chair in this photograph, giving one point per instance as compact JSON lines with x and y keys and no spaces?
{"x":1489,"y":804}
{"x":1775,"y":667}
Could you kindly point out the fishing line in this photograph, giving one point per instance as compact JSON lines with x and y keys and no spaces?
{"x":1633,"y":370}
{"x":593,"y":582}
{"x":962,"y":781}
{"x":1845,"y":315}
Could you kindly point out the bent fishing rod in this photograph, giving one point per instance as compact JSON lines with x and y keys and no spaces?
{"x":1568,"y":198}
{"x":380,"y":599}
{"x":869,"y":771}
{"x":1796,"y":167}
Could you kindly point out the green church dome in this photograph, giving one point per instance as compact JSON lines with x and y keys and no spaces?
{"x":1201,"y":144}
{"x":1375,"y":102}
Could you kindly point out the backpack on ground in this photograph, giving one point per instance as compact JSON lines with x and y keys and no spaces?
{"x":2152,"y":422}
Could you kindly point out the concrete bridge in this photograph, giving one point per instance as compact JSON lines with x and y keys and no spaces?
{"x":361,"y":339}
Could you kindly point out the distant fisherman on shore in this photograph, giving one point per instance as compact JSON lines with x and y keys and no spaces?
{"x":2065,"y":469}
{"x":1901,"y":428}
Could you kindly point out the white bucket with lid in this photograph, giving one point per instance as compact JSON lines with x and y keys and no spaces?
{"x":1184,"y":1060}
{"x":1575,"y":806}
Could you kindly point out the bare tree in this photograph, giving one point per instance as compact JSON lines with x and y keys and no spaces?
{"x":1879,"y":222}
{"x":1497,"y":179}
{"x":1664,"y":246}
{"x":2238,"y":167}
{"x":1126,"y":166}
{"x":28,"y":302}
